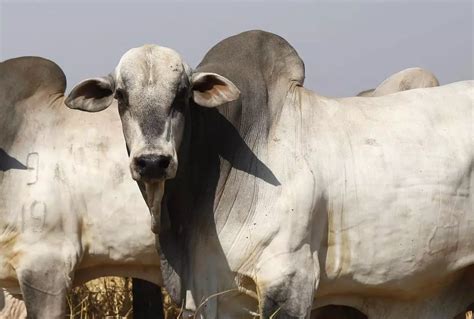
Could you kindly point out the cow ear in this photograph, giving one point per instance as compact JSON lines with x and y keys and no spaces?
{"x":92,"y":95}
{"x":211,"y":89}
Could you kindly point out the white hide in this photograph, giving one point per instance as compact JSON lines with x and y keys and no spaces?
{"x":76,"y":204}
{"x":393,"y":176}
{"x":374,"y":210}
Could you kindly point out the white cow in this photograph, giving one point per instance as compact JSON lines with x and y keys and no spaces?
{"x":68,"y":210}
{"x":407,"y":79}
{"x":296,"y":199}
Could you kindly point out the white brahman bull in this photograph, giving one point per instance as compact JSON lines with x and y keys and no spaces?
{"x":291,"y":198}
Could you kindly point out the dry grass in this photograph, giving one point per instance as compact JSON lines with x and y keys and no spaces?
{"x":111,"y":298}
{"x":106,"y":297}
{"x":171,"y":310}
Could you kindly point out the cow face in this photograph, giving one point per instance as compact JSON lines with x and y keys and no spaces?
{"x":152,"y":86}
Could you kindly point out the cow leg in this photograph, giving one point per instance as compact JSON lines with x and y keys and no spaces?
{"x":339,"y":312}
{"x":286,"y":285}
{"x":44,"y":284}
{"x":147,"y":300}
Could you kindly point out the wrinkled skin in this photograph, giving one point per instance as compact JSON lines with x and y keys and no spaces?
{"x":296,"y":199}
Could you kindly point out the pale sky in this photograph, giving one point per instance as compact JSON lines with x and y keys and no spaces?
{"x":347,"y":46}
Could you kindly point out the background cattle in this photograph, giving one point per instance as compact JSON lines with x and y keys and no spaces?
{"x":292,"y":198}
{"x":411,"y":78}
{"x":68,"y":210}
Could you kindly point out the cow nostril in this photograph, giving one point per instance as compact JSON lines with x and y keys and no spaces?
{"x":164,"y":161}
{"x":140,"y":162}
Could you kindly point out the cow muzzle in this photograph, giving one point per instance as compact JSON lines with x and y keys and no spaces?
{"x":153,"y":168}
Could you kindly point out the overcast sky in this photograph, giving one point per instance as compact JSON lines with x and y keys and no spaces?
{"x":347,"y":46}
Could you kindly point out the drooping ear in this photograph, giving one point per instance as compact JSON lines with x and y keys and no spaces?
{"x":92,"y":95}
{"x":211,"y":89}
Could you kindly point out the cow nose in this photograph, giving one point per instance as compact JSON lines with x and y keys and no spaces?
{"x":152,"y":166}
{"x":164,"y":161}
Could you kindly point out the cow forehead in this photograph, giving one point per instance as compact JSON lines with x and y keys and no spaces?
{"x":150,"y":66}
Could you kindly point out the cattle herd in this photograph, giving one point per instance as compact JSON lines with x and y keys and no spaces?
{"x":256,"y":197}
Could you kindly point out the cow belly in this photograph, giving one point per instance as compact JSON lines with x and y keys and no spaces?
{"x":149,"y":273}
{"x":448,"y":302}
{"x":418,"y":238}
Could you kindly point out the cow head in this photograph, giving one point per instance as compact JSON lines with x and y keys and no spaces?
{"x":152,"y":86}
